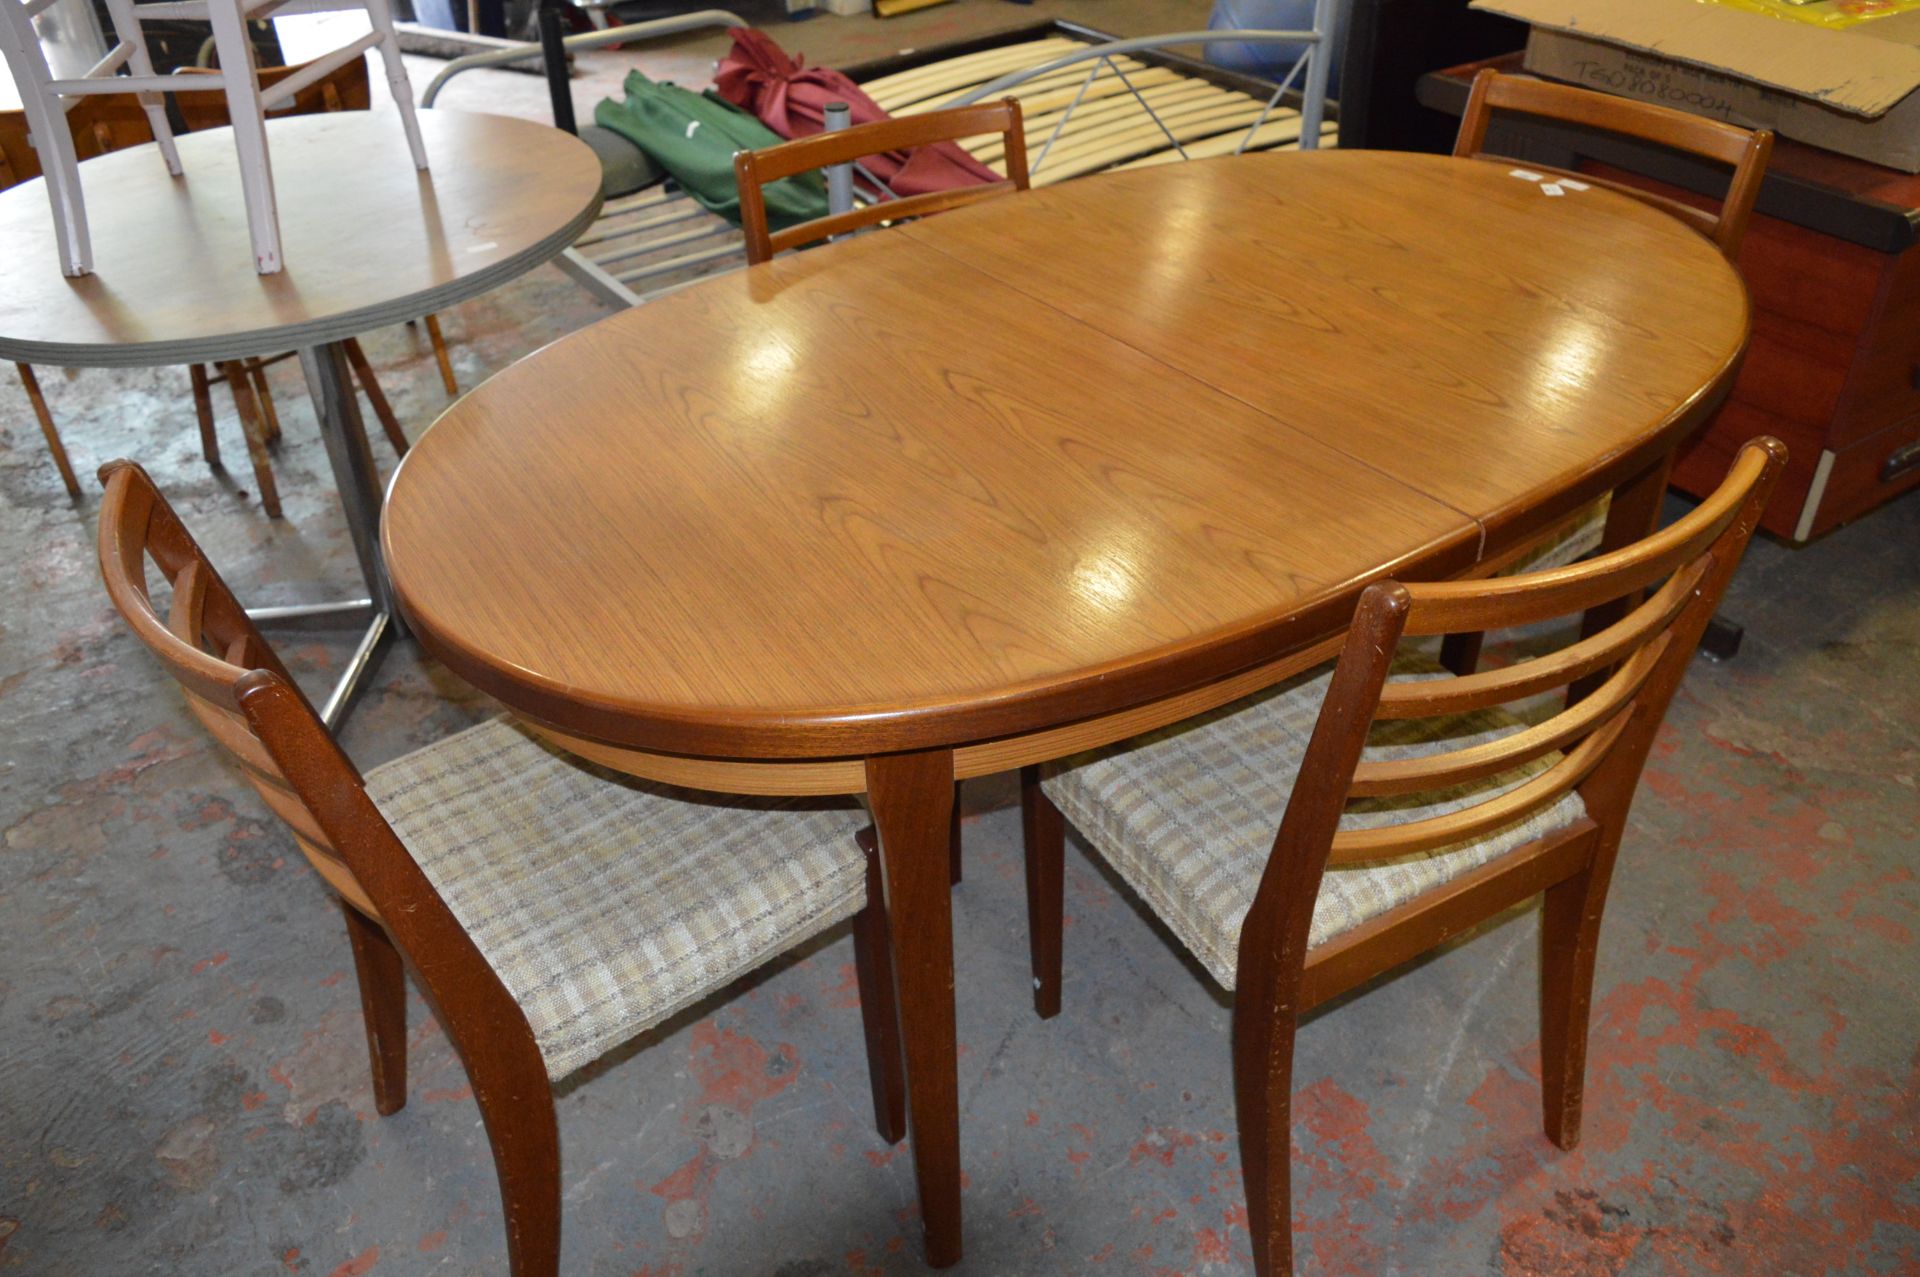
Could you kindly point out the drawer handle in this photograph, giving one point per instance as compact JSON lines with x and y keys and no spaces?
{"x":1902,"y":461}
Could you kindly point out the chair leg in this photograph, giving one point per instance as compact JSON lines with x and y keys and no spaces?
{"x":249,"y":123}
{"x":516,"y":1103}
{"x":254,"y":431}
{"x":879,"y":1005}
{"x":383,"y":1003}
{"x":203,"y":413}
{"x":1263,"y":1103}
{"x":1460,"y":653}
{"x":1569,"y":940}
{"x":47,"y":428}
{"x":263,"y":394}
{"x":380,"y":13}
{"x":363,"y":373}
{"x":441,"y":355}
{"x":52,"y":139}
{"x":126,"y":28}
{"x":1045,"y":834}
{"x":953,"y":838}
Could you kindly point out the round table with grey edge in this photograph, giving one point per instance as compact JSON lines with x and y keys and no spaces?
{"x":369,"y":240}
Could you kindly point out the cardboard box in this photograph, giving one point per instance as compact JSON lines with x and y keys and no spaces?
{"x":1854,"y":90}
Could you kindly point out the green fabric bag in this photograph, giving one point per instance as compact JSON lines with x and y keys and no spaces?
{"x":694,"y":137}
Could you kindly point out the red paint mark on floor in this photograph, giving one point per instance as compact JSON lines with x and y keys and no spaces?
{"x":217,"y":960}
{"x":448,"y":1094}
{"x":683,"y":1182}
{"x":1160,"y":1144}
{"x":1210,"y":1247}
{"x":735,"y":1070}
{"x":846,"y":994}
{"x":433,"y":1241}
{"x":359,"y":1264}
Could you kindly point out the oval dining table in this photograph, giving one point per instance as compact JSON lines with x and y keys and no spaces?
{"x":974,"y":493}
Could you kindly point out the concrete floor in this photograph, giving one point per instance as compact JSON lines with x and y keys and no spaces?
{"x":183,"y":1084}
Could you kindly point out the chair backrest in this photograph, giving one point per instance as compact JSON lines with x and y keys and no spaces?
{"x":1601,"y":739}
{"x":237,"y":688}
{"x":753,"y":169}
{"x":1745,"y":151}
{"x":345,"y":88}
{"x":212,"y":649}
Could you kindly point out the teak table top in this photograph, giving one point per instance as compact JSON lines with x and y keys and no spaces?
{"x":368,"y":239}
{"x":1053,"y":455}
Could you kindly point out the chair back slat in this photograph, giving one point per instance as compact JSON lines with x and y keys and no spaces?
{"x":1745,"y":151}
{"x":1497,"y":757}
{"x":897,"y":210}
{"x":335,"y":873}
{"x":1357,"y":846}
{"x":754,"y":169}
{"x":1428,"y":699}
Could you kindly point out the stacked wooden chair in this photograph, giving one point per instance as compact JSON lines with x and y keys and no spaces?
{"x":249,"y":97}
{"x":98,"y":125}
{"x":1743,"y":151}
{"x":1409,"y":807}
{"x":549,"y":911}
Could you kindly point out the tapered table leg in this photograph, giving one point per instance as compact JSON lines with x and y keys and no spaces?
{"x":912,"y":800}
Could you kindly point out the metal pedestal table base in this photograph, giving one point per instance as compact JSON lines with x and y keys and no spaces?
{"x":330,"y":383}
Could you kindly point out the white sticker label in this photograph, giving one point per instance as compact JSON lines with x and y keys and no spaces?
{"x":1524,"y":174}
{"x":1551,"y":188}
{"x":1572,"y":185}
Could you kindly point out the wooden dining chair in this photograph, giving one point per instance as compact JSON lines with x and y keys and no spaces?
{"x":549,"y":910}
{"x":755,"y":169}
{"x":1744,"y":151}
{"x":1408,"y":808}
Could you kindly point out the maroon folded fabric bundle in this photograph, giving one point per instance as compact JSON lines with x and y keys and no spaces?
{"x":791,"y":98}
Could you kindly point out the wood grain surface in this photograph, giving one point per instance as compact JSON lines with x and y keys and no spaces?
{"x":1440,"y":320}
{"x":1047,"y":458}
{"x":860,"y":499}
{"x":368,"y":239}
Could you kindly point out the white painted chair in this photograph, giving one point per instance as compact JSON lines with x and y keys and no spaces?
{"x":46,"y":100}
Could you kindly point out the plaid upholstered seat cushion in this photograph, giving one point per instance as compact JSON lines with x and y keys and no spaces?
{"x":1187,"y":815}
{"x":606,"y":904}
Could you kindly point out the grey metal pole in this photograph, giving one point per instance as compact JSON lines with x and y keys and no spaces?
{"x":839,"y":176}
{"x":1313,"y":104}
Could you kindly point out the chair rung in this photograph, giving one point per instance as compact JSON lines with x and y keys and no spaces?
{"x":318,"y":69}
{"x":116,"y":58}
{"x":115,"y":84}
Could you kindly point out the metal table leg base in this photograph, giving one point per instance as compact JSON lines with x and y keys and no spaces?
{"x":315,"y":616}
{"x":330,"y":384}
{"x":360,"y":669}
